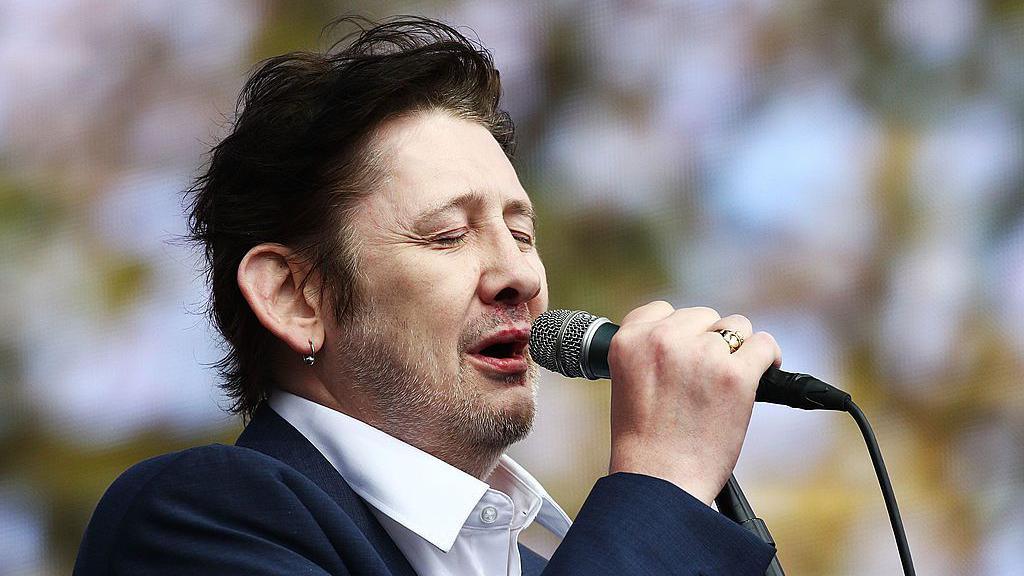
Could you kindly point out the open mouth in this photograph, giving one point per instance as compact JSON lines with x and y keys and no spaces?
{"x":503,"y":352}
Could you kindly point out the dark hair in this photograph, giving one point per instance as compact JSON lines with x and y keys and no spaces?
{"x":297,"y":159}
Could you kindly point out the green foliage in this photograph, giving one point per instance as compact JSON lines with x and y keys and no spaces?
{"x":599,"y":260}
{"x":25,"y":213}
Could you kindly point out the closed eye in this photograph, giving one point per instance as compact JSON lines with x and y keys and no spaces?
{"x":450,"y":239}
{"x":523,"y":238}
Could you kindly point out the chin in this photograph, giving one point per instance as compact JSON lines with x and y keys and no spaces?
{"x":507,"y":419}
{"x":522,"y":408}
{"x":498,"y":409}
{"x":517,"y":415}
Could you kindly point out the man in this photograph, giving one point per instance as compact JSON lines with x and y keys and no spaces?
{"x":373,"y":268}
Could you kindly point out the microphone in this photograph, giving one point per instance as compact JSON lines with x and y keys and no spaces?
{"x":575,"y":344}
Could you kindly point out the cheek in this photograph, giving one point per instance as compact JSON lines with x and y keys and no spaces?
{"x":417,"y":284}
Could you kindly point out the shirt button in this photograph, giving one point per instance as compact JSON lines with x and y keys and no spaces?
{"x":489,"y":514}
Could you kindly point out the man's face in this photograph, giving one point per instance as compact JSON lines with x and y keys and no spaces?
{"x":449,"y":283}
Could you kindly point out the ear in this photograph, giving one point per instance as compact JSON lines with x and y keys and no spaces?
{"x":271,"y":282}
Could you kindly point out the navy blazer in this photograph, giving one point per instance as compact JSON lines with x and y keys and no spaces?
{"x":272,"y":504}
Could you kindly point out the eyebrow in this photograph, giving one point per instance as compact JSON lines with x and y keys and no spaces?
{"x":470,"y":198}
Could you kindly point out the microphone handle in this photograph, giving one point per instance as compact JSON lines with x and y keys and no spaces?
{"x":800,"y":391}
{"x":776,"y":386}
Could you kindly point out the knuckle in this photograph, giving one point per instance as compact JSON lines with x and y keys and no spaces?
{"x":722,"y":374}
{"x":662,"y":338}
{"x":714,"y":345}
{"x":624,"y":334}
{"x":622,"y":344}
{"x":732,"y":379}
{"x":658,"y":307}
{"x":764,"y":339}
{"x":616,"y":355}
{"x":707,"y":312}
{"x":740,"y":320}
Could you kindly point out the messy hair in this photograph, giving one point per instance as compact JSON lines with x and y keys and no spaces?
{"x":299,"y":156}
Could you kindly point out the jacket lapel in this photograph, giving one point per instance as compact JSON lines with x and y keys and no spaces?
{"x":270,"y":434}
{"x":533,"y":563}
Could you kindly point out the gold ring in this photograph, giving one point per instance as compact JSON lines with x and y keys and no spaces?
{"x":732,"y":338}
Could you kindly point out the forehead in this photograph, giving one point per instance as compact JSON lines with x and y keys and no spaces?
{"x":431,"y":159}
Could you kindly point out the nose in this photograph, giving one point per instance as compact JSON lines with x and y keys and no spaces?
{"x":510,"y":276}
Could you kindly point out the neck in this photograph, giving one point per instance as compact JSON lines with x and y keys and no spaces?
{"x":432,"y":437}
{"x":475,"y":461}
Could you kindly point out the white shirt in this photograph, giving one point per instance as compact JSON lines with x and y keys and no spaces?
{"x":444,"y":521}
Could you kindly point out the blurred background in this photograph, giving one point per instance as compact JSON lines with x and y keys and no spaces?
{"x":847,"y":174}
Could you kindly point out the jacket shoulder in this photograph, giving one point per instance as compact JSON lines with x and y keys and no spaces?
{"x":166,"y":501}
{"x":199,"y":461}
{"x":199,"y":466}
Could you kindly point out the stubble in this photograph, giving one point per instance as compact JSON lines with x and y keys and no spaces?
{"x":419,"y":401}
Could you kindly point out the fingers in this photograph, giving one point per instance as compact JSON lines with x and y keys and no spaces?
{"x":657,"y":310}
{"x":737,"y":323}
{"x":694,"y":320}
{"x":758,"y":352}
{"x":740,"y":325}
{"x":681,"y":403}
{"x":685,"y":319}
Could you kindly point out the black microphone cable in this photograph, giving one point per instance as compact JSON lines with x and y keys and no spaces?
{"x":883,"y":482}
{"x":732,"y":504}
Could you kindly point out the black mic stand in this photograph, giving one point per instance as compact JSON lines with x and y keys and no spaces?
{"x":733,"y":505}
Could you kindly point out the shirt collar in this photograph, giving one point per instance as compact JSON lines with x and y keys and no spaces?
{"x":550,"y":516}
{"x":422,"y":493}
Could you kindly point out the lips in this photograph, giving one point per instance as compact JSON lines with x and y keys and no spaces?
{"x":504,"y":351}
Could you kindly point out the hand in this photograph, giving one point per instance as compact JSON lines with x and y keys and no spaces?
{"x":681,"y":402}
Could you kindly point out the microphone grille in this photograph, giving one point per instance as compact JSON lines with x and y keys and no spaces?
{"x":556,"y":340}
